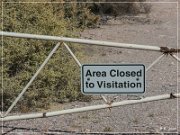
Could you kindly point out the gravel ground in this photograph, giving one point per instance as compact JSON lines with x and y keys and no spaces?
{"x":159,"y":28}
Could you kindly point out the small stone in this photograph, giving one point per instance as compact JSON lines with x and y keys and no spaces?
{"x":172,"y":130}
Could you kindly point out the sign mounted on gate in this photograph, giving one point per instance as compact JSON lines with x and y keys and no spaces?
{"x":112,"y":78}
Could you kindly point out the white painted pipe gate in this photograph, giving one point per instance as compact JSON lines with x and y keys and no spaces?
{"x":108,"y":104}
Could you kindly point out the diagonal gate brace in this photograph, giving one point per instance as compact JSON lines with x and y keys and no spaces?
{"x":32,"y":79}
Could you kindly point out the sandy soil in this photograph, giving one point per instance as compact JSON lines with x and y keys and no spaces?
{"x":159,"y":28}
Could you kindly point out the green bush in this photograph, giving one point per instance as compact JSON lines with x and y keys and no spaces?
{"x":59,"y":81}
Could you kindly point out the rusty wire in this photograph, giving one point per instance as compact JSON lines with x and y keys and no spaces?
{"x":166,"y":50}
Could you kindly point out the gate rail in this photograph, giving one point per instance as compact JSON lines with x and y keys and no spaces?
{"x":108,"y":104}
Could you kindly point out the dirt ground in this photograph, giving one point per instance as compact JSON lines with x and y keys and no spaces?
{"x":159,"y":28}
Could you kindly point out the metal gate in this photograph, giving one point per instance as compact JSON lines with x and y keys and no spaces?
{"x":108,"y":104}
